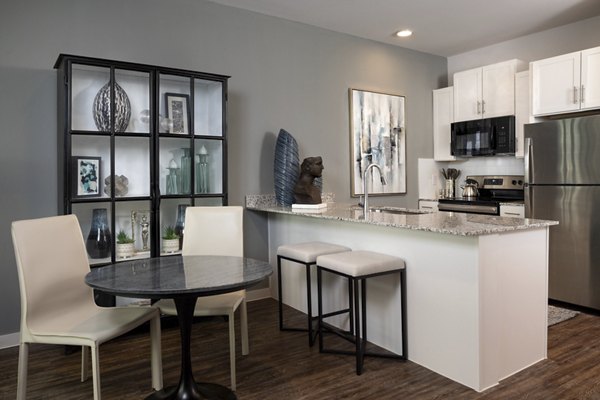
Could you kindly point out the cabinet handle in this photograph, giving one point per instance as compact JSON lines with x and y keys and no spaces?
{"x":478,"y":107}
{"x":512,"y":213}
{"x":582,"y":94}
{"x":574,"y":94}
{"x":483,"y":106}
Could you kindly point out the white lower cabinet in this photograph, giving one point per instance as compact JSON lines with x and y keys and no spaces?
{"x":428,"y":205}
{"x":517,"y":211}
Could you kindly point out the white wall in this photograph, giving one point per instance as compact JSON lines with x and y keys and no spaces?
{"x":283,"y":75}
{"x":565,"y":39}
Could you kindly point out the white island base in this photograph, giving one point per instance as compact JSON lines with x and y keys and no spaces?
{"x":477,"y":305}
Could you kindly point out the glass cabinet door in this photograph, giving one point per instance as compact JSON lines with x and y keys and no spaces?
{"x":90,"y":98}
{"x":208,"y":108}
{"x":174,"y":105}
{"x":138,"y":144}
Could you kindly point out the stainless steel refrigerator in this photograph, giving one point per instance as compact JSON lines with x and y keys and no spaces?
{"x":562,"y":182}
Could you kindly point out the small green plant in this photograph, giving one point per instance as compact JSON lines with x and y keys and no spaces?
{"x":169,"y":233}
{"x":123,"y":238}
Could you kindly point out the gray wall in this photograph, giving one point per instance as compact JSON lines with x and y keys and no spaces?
{"x":553,"y":42}
{"x":284,"y":75}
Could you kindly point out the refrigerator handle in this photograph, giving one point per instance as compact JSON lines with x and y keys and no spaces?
{"x":528,"y":160}
{"x":528,"y":201}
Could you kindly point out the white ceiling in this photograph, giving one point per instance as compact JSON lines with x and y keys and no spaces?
{"x":442,"y":27}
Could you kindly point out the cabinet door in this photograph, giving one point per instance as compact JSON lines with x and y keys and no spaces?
{"x":443,"y":112}
{"x":428,"y":205}
{"x":521,"y":110}
{"x":555,"y":84}
{"x":467,"y":95}
{"x":517,"y":211}
{"x":590,"y":78}
{"x":498,"y":89}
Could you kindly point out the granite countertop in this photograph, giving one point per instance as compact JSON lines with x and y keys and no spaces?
{"x":452,"y":223}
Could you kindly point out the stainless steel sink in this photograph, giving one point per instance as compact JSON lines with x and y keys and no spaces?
{"x":399,"y":211}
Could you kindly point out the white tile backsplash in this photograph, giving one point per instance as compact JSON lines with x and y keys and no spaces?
{"x":431,"y":179}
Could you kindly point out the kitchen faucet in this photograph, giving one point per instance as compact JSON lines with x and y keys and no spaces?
{"x":365,"y":186}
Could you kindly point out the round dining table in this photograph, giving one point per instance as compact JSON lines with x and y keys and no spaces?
{"x":183,"y":279}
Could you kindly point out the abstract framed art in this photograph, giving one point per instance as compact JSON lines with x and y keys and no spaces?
{"x":86,"y":176}
{"x":178,"y":112}
{"x":377,"y":136}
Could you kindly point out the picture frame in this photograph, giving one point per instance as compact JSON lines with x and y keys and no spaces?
{"x":377,"y":135}
{"x":178,"y":112}
{"x":87,"y":176}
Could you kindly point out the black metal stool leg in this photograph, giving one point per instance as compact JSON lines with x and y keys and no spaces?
{"x":311,"y":339}
{"x":363,"y":338}
{"x":320,"y":308}
{"x":280,"y":293}
{"x":357,"y":325}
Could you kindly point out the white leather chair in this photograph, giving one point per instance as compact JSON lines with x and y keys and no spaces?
{"x":57,"y":307}
{"x":216,"y":231}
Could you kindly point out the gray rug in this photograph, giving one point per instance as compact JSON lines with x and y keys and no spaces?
{"x":557,"y":314}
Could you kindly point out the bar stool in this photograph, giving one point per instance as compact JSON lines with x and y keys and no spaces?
{"x":306,"y":254}
{"x":357,"y":267}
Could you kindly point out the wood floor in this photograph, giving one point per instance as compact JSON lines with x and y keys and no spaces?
{"x":282,"y":366}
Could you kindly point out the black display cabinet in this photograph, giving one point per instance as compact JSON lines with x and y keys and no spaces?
{"x":137,"y":144}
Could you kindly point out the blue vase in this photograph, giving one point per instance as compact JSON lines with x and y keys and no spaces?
{"x":99,"y":239}
{"x":286,"y":168}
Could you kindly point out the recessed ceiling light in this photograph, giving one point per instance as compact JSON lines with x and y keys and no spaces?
{"x":404,"y":33}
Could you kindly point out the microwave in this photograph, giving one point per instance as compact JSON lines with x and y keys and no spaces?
{"x":484,"y":137}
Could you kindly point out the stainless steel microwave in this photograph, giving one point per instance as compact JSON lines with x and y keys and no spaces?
{"x":484,"y":137}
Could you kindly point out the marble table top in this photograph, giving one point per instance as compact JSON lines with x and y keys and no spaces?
{"x":177,"y":276}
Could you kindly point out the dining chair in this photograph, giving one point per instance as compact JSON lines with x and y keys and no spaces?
{"x":216,"y":231}
{"x":57,"y":307}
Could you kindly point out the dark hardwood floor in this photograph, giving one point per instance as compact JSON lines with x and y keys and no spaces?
{"x":282,"y":366}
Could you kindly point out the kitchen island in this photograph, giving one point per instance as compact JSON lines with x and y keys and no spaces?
{"x":477,"y":286}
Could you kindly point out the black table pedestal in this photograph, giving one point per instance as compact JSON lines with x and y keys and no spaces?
{"x":188,"y":389}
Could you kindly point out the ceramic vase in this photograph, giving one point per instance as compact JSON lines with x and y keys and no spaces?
{"x":99,"y":239}
{"x":286,"y":168}
{"x":102,"y":105}
{"x":180,"y":223}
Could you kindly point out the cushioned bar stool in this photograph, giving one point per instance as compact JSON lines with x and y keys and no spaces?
{"x":357,"y":267}
{"x":305,"y":254}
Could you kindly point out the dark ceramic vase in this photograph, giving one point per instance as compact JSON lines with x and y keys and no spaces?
{"x":286,"y":168}
{"x":180,"y":223}
{"x":99,"y":239}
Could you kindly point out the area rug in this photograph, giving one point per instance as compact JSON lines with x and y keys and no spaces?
{"x":557,"y":314}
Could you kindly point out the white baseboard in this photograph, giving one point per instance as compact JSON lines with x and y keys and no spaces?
{"x":10,"y":340}
{"x":258,"y":294}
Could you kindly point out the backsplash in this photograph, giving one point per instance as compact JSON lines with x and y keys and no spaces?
{"x":431,"y":179}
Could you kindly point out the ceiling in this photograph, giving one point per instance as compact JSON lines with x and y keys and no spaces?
{"x":441,"y":27}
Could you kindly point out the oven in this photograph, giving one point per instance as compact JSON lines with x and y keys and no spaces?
{"x":492,"y":191}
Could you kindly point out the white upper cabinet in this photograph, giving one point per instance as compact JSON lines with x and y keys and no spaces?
{"x":590,"y":78}
{"x":485,"y":92}
{"x":443,"y":115}
{"x":566,"y":83}
{"x":521,"y":110}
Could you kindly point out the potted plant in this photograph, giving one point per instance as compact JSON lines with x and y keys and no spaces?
{"x":125,"y":245}
{"x":170,"y":240}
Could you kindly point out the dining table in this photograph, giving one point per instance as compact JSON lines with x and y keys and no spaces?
{"x":185,"y":279}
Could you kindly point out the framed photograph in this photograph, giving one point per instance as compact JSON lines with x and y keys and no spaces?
{"x":86,"y":176}
{"x":178,"y":112}
{"x":377,"y":136}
